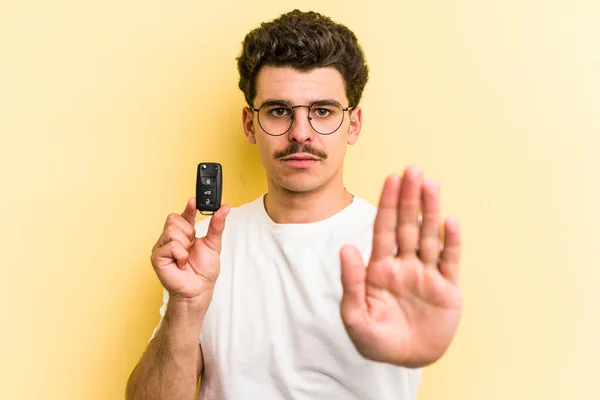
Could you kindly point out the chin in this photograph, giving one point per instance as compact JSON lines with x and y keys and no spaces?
{"x":303,"y":184}
{"x":300,"y":180}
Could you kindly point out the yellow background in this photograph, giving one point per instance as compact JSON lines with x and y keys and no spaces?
{"x":106,"y":108}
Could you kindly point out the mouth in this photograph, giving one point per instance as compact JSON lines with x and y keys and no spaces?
{"x":300,"y":160}
{"x":300,"y":157}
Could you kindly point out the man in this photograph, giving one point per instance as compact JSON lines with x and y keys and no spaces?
{"x":309,"y":292}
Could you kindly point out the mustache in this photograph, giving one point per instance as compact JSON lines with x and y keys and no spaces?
{"x":297,"y":148}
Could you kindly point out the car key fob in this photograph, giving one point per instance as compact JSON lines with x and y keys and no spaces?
{"x":209,"y":184}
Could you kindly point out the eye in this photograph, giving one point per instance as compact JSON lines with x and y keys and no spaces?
{"x":279,"y":112}
{"x":322,"y":112}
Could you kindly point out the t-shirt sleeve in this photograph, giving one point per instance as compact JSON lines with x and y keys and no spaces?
{"x":201,"y":229}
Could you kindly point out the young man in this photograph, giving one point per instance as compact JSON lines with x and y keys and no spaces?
{"x":308,"y":292}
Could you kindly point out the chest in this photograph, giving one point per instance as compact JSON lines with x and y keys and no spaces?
{"x":276,"y":307}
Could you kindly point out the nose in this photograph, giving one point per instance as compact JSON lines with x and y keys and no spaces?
{"x":301,"y":130}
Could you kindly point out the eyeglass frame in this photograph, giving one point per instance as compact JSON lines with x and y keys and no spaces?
{"x":293,"y":117}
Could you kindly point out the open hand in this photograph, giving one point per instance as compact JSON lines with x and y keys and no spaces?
{"x":404,"y":307}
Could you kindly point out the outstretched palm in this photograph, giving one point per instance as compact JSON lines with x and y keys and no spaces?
{"x":404,"y":308}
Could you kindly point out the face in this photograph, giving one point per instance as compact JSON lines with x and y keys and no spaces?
{"x":301,"y":160}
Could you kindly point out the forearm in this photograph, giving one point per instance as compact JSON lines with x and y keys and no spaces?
{"x":170,"y":365}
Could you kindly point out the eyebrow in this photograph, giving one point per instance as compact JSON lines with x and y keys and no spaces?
{"x":281,"y":101}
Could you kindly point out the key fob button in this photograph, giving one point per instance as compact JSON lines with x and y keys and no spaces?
{"x":208,"y":180}
{"x":207,"y":200}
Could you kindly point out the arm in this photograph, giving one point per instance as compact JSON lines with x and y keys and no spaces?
{"x":172,"y":363}
{"x":188,"y":267}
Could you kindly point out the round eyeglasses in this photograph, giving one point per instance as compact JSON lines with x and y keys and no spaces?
{"x":324,"y":116}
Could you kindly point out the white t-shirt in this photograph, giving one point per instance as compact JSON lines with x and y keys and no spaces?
{"x":273,"y":329}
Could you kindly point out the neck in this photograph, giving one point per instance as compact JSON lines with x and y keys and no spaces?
{"x":286,"y":207}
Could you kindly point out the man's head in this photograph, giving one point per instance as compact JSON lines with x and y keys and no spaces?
{"x":286,"y":65}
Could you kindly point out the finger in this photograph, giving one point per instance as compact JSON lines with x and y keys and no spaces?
{"x":384,"y":229}
{"x":353,"y":306}
{"x":216,"y":226}
{"x":408,"y":211}
{"x":190,"y":212}
{"x":175,"y":233}
{"x":172,"y":251}
{"x":429,"y":243}
{"x":176,"y":223}
{"x":450,"y":258}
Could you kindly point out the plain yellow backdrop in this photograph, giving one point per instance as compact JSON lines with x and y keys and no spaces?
{"x":106,"y":108}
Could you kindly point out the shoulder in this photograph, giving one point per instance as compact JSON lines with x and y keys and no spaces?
{"x":362,"y":204}
{"x":363,"y":210}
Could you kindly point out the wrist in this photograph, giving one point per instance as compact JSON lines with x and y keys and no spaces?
{"x":183,"y":319}
{"x":189,"y":305}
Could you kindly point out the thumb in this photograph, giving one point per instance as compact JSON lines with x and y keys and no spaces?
{"x":216,"y":226}
{"x":353,"y":306}
{"x":190,"y":211}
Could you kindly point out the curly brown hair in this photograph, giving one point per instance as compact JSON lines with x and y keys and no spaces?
{"x":303,"y":41}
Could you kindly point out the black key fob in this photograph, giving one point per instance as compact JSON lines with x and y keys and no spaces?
{"x":209,"y":184}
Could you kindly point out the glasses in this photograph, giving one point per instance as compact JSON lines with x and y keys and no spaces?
{"x":324,"y":116}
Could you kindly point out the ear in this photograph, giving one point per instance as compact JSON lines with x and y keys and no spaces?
{"x":248,"y":124}
{"x":355,"y":125}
